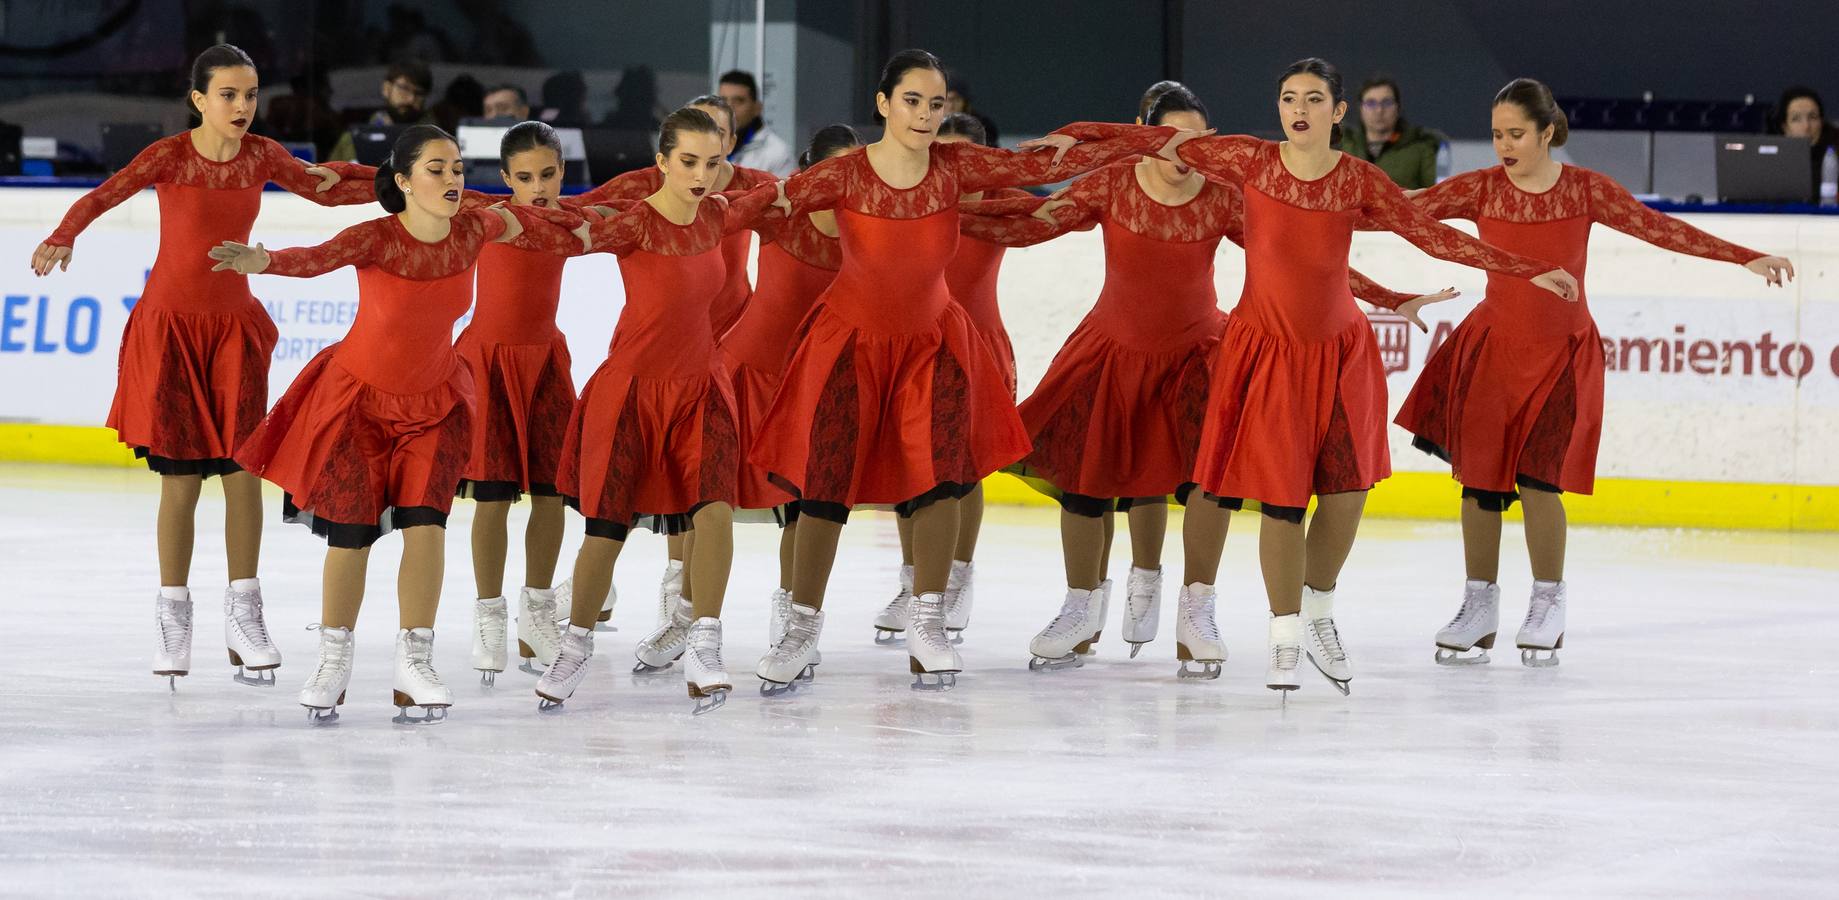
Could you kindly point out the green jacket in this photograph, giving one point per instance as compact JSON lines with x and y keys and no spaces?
{"x":1409,"y":159}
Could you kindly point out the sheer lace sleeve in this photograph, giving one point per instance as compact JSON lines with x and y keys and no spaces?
{"x":356,"y":184}
{"x":982,"y":168}
{"x":622,"y":232}
{"x":634,"y":185}
{"x":1387,"y":206}
{"x":1456,"y":198}
{"x":543,"y":230}
{"x":1373,"y":292}
{"x":1612,"y":205}
{"x":1226,"y":157}
{"x":822,"y":186}
{"x":750,"y":209}
{"x":351,"y":247}
{"x":149,"y":166}
{"x":1010,"y":221}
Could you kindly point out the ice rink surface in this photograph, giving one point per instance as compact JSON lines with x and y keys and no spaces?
{"x":1685,"y":746}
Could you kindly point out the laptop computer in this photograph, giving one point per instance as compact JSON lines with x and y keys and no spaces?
{"x":1764,"y":168}
{"x":122,"y":141}
{"x":479,"y":144}
{"x":372,"y":143}
{"x":614,"y":151}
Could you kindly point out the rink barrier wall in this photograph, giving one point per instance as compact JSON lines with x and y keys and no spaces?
{"x":1406,"y":495}
{"x":1721,"y":400}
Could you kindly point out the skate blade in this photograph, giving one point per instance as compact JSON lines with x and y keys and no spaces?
{"x":261,"y":678}
{"x":887,"y":637}
{"x":644,"y":668}
{"x":528,"y":666}
{"x":708,"y":701}
{"x":489,"y":677}
{"x":1286,"y":688}
{"x":546,"y":703}
{"x":172,"y":678}
{"x":1207,"y":669}
{"x":1045,"y":664}
{"x":1136,"y":647}
{"x":1451,"y":656}
{"x":317,"y":716}
{"x":430,"y":713}
{"x":939,"y":683}
{"x":1530,"y":658}
{"x":777,"y":688}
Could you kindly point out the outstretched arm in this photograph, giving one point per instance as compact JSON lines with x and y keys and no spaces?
{"x":351,"y":247}
{"x":1614,"y":206}
{"x":1387,"y":206}
{"x":985,"y":168}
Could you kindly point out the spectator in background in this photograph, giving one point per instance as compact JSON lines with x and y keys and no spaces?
{"x":565,"y":100}
{"x":405,"y":90}
{"x":637,"y":96}
{"x":306,"y":115}
{"x":1405,"y":152}
{"x":465,"y":99}
{"x":1800,"y":114}
{"x":756,"y":146}
{"x":507,"y":102}
{"x":958,"y":100}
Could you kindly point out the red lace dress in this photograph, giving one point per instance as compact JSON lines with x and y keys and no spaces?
{"x":653,"y":437}
{"x":193,"y":375}
{"x":797,"y":262}
{"x":641,"y":183}
{"x":971,"y":277}
{"x":1298,"y":401}
{"x":892,"y":395}
{"x":375,"y":433}
{"x":520,"y":366}
{"x":1516,"y":393}
{"x":1118,"y":413}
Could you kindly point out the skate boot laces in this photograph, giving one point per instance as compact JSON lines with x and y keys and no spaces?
{"x":1330,"y":638}
{"x":334,"y":658}
{"x":1200,"y":618}
{"x":492,"y":626}
{"x":567,"y":663}
{"x":175,"y":621}
{"x":1072,"y":616}
{"x":420,"y":653}
{"x":246,"y":612}
{"x":929,"y":622}
{"x":1471,"y":609}
{"x":1285,"y":656}
{"x":1537,"y":610}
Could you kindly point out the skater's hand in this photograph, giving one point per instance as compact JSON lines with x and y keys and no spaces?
{"x":1060,"y":142}
{"x":1171,"y":151}
{"x":327,"y":177}
{"x":240,"y":258}
{"x":1414,"y":192}
{"x":1559,"y":282}
{"x":1409,"y":308}
{"x":583,"y":231}
{"x":1045,"y":212}
{"x":49,"y":255}
{"x":782,"y":201}
{"x":1777,"y":270}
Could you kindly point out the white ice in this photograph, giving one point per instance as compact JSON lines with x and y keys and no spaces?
{"x":1685,"y":746}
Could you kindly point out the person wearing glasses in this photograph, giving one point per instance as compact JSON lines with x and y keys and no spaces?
{"x":1407,"y":153}
{"x":406,"y":86}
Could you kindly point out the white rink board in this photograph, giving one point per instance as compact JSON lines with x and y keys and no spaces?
{"x":1689,"y":421}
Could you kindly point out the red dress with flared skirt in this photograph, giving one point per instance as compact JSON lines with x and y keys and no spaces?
{"x":1297,"y":405}
{"x":520,"y":368}
{"x":1515,"y":395}
{"x":1118,"y":413}
{"x":193,"y":371}
{"x":376,"y":432}
{"x":971,"y":277}
{"x":797,"y":262}
{"x":893,"y":395}
{"x":653,"y":437}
